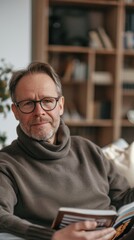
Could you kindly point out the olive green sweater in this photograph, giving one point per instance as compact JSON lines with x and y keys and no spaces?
{"x":36,"y":178}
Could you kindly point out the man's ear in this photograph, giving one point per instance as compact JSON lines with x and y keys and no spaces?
{"x":15,"y":111}
{"x":61,"y":105}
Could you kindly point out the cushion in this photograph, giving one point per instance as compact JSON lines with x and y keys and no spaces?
{"x":123,"y":155}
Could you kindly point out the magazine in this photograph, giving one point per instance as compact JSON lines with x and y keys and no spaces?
{"x":122,"y":220}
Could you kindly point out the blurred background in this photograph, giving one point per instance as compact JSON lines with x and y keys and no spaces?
{"x":91,"y":46}
{"x":15,"y":46}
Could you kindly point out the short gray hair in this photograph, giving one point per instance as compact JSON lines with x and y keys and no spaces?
{"x":34,"y":67}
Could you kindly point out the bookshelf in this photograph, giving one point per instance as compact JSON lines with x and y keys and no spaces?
{"x":66,"y":33}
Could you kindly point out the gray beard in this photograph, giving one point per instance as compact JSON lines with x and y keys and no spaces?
{"x":46,"y":138}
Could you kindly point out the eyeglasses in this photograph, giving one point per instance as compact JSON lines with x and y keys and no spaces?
{"x":28,"y":106}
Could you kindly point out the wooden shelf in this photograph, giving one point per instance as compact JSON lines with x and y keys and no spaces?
{"x":126,"y":123}
{"x":53,"y":48}
{"x":129,"y":52}
{"x":86,"y":2}
{"x":77,"y":49}
{"x":100,"y":106}
{"x":129,"y":5}
{"x":128,"y":93}
{"x":86,"y":123}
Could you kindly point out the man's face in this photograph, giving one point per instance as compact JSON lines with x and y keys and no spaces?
{"x":39,"y":124}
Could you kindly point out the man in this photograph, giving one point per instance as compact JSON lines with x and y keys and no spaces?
{"x":46,"y":168}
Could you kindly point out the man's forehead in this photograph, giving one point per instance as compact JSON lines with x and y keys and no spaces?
{"x":39,"y":84}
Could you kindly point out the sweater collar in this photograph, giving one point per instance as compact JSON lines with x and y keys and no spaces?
{"x":43,"y":150}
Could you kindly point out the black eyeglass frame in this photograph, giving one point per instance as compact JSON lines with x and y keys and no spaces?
{"x":38,"y":101}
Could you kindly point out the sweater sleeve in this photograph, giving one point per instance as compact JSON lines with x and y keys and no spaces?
{"x":13,"y":224}
{"x":19,"y":227}
{"x":38,"y":232}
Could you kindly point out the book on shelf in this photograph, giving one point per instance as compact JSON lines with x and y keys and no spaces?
{"x":129,"y":87}
{"x":75,"y":70}
{"x":94,"y":40}
{"x":67,"y":76}
{"x":71,"y":112}
{"x":129,"y":23}
{"x":128,"y":40}
{"x":105,"y":39}
{"x":122,"y":221}
{"x":102,"y":77}
{"x":80,"y":71}
{"x":127,"y":75}
{"x":102,"y":109}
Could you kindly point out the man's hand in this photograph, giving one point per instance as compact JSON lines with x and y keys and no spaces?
{"x":83,"y":231}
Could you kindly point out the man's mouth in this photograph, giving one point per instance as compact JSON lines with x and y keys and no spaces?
{"x":39,"y":123}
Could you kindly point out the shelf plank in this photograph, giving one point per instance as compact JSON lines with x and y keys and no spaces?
{"x":129,"y":4}
{"x":129,"y":93}
{"x":61,"y":48}
{"x":128,"y":52}
{"x":88,"y":123}
{"x":79,"y":49}
{"x":89,"y":2}
{"x":126,"y":123}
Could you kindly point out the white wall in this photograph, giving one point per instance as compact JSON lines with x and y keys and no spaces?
{"x":15,"y":46}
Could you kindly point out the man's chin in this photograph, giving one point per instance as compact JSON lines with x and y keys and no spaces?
{"x":42,"y":137}
{"x":38,"y":137}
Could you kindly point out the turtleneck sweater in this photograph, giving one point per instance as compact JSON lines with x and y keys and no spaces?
{"x":36,"y":178}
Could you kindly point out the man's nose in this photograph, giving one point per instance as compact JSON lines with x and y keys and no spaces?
{"x":38,"y":109}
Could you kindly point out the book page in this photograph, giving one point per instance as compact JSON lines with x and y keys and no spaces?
{"x":102,"y":221}
{"x":126,"y":207}
{"x":125,"y":220}
{"x":66,"y":216}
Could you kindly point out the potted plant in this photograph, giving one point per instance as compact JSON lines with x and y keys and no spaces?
{"x":6,"y":71}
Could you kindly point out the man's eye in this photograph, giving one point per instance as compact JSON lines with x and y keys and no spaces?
{"x":28,"y":103}
{"x":48,"y":100}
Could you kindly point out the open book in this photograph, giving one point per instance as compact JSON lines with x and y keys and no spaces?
{"x":122,"y":220}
